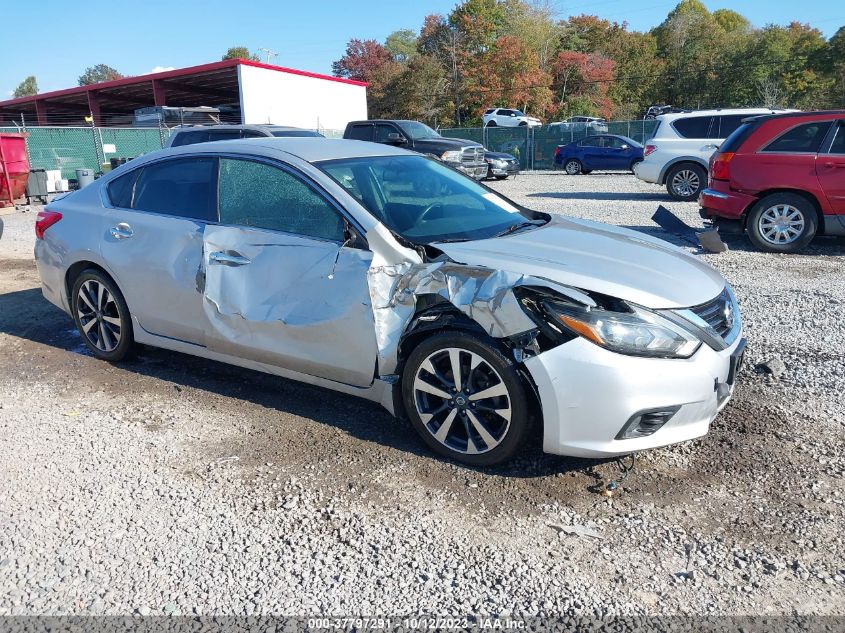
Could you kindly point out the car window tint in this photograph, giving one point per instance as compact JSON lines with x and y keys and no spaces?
{"x":693,"y":127}
{"x":612,"y":141}
{"x":806,"y":138}
{"x":189,"y":138}
{"x":593,"y":141}
{"x":120,"y":190}
{"x":726,"y":125}
{"x":267,"y":197}
{"x":838,"y":146}
{"x":183,"y":187}
{"x":382,"y":131}
{"x":223,"y":135}
{"x":253,"y":134}
{"x":361,"y":132}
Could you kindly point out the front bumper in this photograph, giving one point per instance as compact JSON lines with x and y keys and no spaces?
{"x":647,"y":171}
{"x":724,"y":204}
{"x":503,"y":169}
{"x":475,"y":170}
{"x":588,"y":394}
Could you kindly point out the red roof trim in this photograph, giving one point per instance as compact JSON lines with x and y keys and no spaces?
{"x":169,"y":74}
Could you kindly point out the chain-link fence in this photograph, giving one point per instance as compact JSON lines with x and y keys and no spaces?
{"x":535,"y":146}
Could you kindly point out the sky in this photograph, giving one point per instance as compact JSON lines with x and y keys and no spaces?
{"x":60,"y":40}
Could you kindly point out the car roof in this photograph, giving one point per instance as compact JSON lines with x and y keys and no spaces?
{"x":673,"y":116}
{"x":237,"y":126}
{"x":310,"y":149}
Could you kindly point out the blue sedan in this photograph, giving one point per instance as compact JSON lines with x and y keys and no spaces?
{"x":604,"y":151}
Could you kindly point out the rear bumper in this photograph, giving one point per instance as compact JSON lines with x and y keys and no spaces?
{"x":724,"y":204}
{"x":647,"y":171}
{"x":588,"y":394}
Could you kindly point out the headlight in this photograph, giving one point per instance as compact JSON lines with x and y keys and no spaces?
{"x":637,"y":331}
{"x":451,"y":156}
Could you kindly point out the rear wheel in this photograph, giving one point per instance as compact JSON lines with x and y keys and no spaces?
{"x":465,"y":399}
{"x":491,"y":124}
{"x":101,"y":316}
{"x":573,"y":167}
{"x":685,"y":181}
{"x":782,"y":223}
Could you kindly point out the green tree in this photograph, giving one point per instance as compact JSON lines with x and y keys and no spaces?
{"x":27,"y":87}
{"x":98,"y":74}
{"x":240,"y":52}
{"x":402,"y":45}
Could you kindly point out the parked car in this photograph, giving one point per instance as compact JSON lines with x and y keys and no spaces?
{"x":677,"y":155}
{"x":190,"y":134}
{"x":380,"y":273}
{"x":466,"y":156}
{"x":782,"y":178}
{"x":507,"y":117}
{"x":579,"y":125}
{"x":500,"y":165}
{"x":652,"y":112}
{"x":607,"y":151}
{"x":168,"y":116}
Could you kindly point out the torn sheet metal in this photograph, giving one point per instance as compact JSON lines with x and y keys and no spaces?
{"x":483,"y":294}
{"x":296,"y":302}
{"x":708,"y":239}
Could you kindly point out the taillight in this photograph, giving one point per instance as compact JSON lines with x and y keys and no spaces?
{"x":649,"y":149}
{"x":720,"y":165}
{"x":44,"y":220}
{"x":557,"y":150}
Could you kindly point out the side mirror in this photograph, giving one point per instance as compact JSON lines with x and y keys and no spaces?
{"x":625,"y":147}
{"x":395,"y":137}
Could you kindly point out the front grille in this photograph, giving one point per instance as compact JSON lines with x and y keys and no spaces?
{"x":472,"y":155}
{"x":720,"y":313}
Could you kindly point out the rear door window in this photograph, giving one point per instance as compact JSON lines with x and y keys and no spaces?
{"x":120,"y":190}
{"x":184,"y":187}
{"x":361,"y":132}
{"x":838,"y":145}
{"x":724,"y":126}
{"x":693,"y":127}
{"x":267,"y":197}
{"x":802,"y":139}
{"x":382,"y":130}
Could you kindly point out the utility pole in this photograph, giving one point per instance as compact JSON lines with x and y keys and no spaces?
{"x":269,"y":54}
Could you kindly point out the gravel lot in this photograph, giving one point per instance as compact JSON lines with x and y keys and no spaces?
{"x":171,"y":484}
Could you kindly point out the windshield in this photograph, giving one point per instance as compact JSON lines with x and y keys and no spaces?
{"x":418,"y":131}
{"x":424,"y":201}
{"x":519,"y":113}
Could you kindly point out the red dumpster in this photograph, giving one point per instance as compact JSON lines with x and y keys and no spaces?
{"x":14,"y":168}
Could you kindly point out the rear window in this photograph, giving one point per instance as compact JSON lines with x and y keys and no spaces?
{"x":693,"y":127}
{"x":737,"y":138}
{"x":802,"y":139}
{"x":120,"y":190}
{"x":361,"y":132}
{"x":189,"y":138}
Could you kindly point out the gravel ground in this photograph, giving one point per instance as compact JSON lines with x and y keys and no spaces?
{"x":170,"y":484}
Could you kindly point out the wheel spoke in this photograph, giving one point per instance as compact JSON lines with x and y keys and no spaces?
{"x":455,"y":361}
{"x":87,"y":327}
{"x":101,"y":291}
{"x":478,"y":425}
{"x":421,"y":385}
{"x":445,"y":427}
{"x":490,"y":392}
{"x":112,"y":320}
{"x":83,"y":294}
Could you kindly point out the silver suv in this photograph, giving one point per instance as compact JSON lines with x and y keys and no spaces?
{"x":381,"y":273}
{"x":190,"y":134}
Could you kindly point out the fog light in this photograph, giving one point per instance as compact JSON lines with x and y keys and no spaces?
{"x":644,"y":423}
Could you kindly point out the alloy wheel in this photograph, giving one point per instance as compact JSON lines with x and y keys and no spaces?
{"x":781,"y":224}
{"x":462,"y":401}
{"x":686,"y":182}
{"x":573,"y":167}
{"x":99,"y":316}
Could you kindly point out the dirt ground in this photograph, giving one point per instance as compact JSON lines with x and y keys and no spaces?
{"x":171,"y":484}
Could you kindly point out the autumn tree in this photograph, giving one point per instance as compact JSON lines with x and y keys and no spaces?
{"x":363,"y":60}
{"x":582,"y":80}
{"x":402,"y":45}
{"x":98,"y":74}
{"x":240,"y":52}
{"x":27,"y":87}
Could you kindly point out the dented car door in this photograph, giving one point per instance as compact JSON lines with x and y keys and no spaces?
{"x":282,"y":285}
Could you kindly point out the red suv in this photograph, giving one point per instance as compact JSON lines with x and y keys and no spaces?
{"x":782,"y":177}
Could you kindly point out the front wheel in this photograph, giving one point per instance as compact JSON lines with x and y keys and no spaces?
{"x":573,"y":167}
{"x":101,"y":316}
{"x":782,"y":223}
{"x":491,"y":124}
{"x":465,"y":399}
{"x":685,"y":181}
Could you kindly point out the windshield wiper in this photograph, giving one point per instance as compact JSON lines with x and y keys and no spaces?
{"x":516,"y":227}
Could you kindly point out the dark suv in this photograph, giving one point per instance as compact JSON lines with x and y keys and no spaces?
{"x":467,"y":156}
{"x":190,"y":134}
{"x":781,"y":179}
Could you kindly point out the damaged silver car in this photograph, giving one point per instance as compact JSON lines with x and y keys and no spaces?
{"x":384,"y":274}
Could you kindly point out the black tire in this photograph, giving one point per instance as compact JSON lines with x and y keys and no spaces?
{"x":573,"y":167}
{"x":502,"y":177}
{"x":101,"y":334}
{"x":492,"y":124}
{"x":489,"y":175}
{"x":795,"y":208}
{"x":685,"y":181}
{"x":508,"y":435}
{"x":522,"y":124}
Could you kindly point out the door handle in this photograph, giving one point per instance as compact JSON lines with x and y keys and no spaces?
{"x":122,"y":231}
{"x":711,"y":146}
{"x":835,"y":165}
{"x":228,"y":258}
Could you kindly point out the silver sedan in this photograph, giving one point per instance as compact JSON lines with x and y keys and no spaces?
{"x":383,"y":274}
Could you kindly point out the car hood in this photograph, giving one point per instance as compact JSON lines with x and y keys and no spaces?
{"x":499,"y":155}
{"x":601,"y":258}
